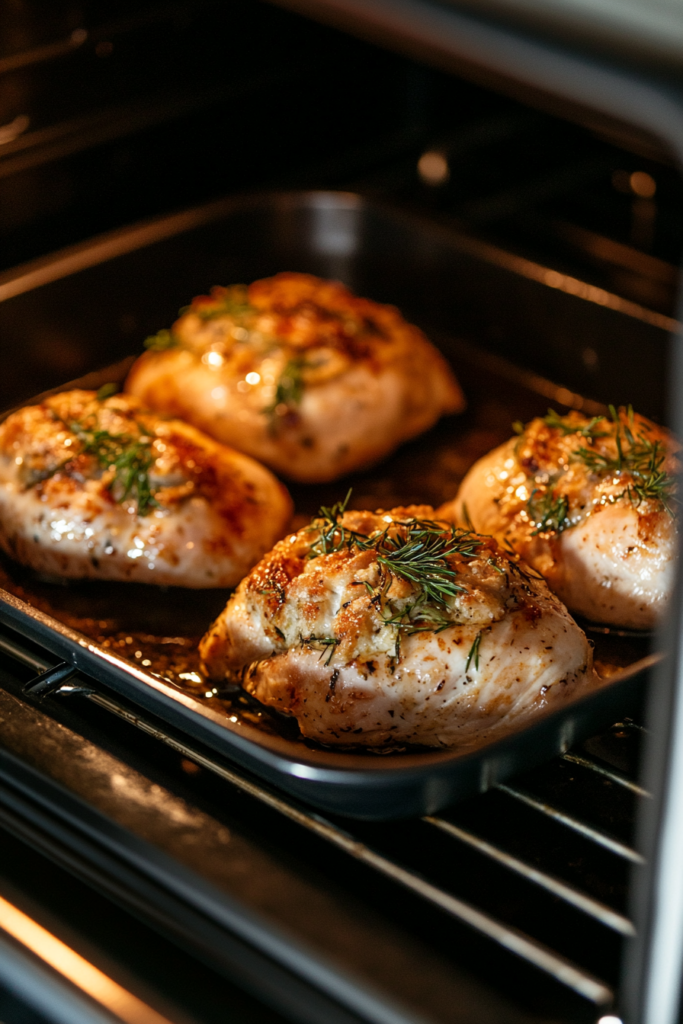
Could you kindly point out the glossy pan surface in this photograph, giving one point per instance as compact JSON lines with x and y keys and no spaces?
{"x":484,"y":308}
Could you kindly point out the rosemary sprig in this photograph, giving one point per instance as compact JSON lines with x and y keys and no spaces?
{"x":638,"y":456}
{"x":106,"y":391}
{"x":553,"y":419}
{"x":474,"y":652}
{"x":419,"y":617}
{"x":549,"y":512}
{"x":290,"y":386}
{"x":466,"y":517}
{"x":160,"y":341}
{"x":233,"y":303}
{"x":130,"y":457}
{"x":334,"y":536}
{"x":419,"y":552}
{"x":328,"y":643}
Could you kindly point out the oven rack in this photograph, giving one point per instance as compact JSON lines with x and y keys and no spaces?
{"x":596,"y":920}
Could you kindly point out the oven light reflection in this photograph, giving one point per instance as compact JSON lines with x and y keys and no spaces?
{"x":76,"y":968}
{"x":433,"y":168}
{"x":190,"y":677}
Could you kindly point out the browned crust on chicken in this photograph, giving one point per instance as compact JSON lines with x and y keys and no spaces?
{"x":590,"y":504}
{"x":300,"y":373}
{"x":104,"y":488}
{"x":316,"y":636}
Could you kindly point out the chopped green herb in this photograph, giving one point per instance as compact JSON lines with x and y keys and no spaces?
{"x":527,"y":574}
{"x":160,"y":341}
{"x":106,"y":391}
{"x":233,"y":302}
{"x":419,"y":552}
{"x":553,"y":419}
{"x":466,"y":517}
{"x":495,"y":566}
{"x":419,"y":617}
{"x":549,"y":512}
{"x":518,"y":427}
{"x":415,"y":550}
{"x":640,"y":457}
{"x":328,"y":644}
{"x":290,"y":387}
{"x":277,"y":589}
{"x":474,"y":652}
{"x":333,"y":535}
{"x":130,"y":457}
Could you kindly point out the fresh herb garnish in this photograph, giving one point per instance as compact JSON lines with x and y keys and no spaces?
{"x":548,"y":512}
{"x":419,"y":617}
{"x":290,"y":387}
{"x":333,"y":534}
{"x":639,"y":457}
{"x":278,"y":590}
{"x":232,"y":302}
{"x":328,"y":644}
{"x":466,"y":517}
{"x":131,"y":458}
{"x":561,"y":423}
{"x":474,"y":652}
{"x":418,"y":552}
{"x":160,"y":341}
{"x":106,"y":391}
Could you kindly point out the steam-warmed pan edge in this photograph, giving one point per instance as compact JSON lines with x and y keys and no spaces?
{"x":352,"y":784}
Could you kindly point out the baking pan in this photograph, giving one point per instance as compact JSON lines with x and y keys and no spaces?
{"x":508,"y":326}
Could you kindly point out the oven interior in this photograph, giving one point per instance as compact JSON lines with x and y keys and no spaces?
{"x":189,"y":881}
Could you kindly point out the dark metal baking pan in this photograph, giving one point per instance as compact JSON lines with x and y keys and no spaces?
{"x":480,"y":305}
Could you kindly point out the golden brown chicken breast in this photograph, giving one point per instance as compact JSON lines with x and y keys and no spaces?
{"x":99,"y":487}
{"x":588,"y":503}
{"x":299,"y":373}
{"x":392,"y":628}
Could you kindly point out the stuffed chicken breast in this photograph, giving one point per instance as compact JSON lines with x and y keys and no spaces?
{"x":393,"y":628}
{"x":589,"y":504}
{"x":299,"y":373}
{"x":94,"y":486}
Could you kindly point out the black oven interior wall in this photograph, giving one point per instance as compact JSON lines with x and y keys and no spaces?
{"x":111,"y":112}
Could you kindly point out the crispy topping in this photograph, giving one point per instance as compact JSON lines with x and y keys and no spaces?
{"x":357,"y":582}
{"x":560,"y":456}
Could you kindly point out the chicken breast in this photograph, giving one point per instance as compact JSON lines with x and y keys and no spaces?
{"x":299,"y":373}
{"x":98,"y":487}
{"x":589,"y":504}
{"x":381,"y":628}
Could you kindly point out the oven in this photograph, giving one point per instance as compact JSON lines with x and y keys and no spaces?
{"x":514,"y":185}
